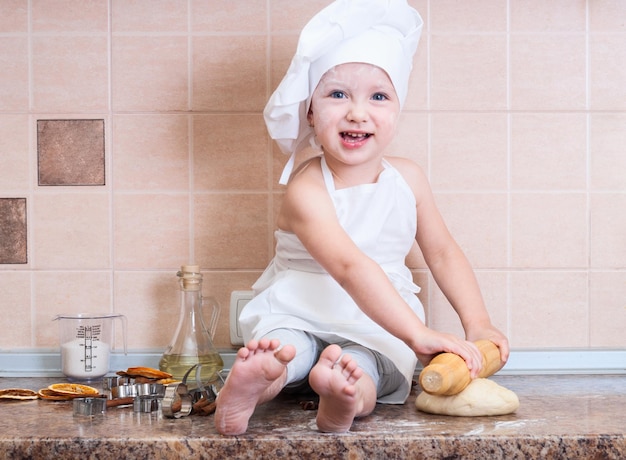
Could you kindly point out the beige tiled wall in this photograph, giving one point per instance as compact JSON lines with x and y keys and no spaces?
{"x":516,"y":110}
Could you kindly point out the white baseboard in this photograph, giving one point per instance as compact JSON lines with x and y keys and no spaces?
{"x":48,"y":363}
{"x":583,"y":361}
{"x":567,"y":361}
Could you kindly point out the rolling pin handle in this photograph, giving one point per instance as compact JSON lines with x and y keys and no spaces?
{"x":447,"y":374}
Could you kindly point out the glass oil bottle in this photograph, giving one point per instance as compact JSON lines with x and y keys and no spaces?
{"x":192,"y":343}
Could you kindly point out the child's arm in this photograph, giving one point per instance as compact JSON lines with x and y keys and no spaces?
{"x":307,"y":211}
{"x":448,"y":265}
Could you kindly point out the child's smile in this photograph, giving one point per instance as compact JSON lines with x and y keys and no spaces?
{"x":354,"y":139}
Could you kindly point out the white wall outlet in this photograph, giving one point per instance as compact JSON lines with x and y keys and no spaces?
{"x":238,"y":300}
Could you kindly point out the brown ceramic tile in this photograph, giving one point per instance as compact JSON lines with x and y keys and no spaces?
{"x":70,"y":152}
{"x":13,"y":231}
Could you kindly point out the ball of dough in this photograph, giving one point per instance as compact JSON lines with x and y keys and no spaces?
{"x":480,"y":397}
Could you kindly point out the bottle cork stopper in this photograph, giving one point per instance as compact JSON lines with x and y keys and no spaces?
{"x":191,"y":277}
{"x":190,"y":268}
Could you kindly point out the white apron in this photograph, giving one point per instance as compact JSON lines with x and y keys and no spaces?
{"x":295,"y":292}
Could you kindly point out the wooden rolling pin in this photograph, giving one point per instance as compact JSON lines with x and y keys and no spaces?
{"x":447,"y":374}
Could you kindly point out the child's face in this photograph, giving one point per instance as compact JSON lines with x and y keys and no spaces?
{"x":354,"y":111}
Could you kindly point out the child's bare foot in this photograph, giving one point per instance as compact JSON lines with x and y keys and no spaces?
{"x":257,"y":376}
{"x":344,"y":391}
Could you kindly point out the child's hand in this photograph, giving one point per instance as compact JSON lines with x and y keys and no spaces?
{"x":431,"y":343}
{"x":494,"y":335}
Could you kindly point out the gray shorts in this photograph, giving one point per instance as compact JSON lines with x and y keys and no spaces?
{"x":309,"y":347}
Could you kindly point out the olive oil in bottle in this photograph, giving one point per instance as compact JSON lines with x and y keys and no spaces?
{"x":178,"y":365}
{"x":192,"y":342}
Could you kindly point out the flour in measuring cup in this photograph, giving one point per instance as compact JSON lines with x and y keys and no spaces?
{"x":84,"y":363}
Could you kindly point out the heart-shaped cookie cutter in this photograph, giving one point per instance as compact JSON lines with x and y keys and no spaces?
{"x":177,"y":401}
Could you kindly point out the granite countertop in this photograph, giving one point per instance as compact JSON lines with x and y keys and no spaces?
{"x":560,"y":416}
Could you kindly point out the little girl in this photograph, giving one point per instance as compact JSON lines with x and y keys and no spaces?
{"x":336,"y":308}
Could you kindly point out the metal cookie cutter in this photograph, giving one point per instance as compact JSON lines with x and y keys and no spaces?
{"x":124,"y":391}
{"x":177,"y":401}
{"x":148,"y":396}
{"x":89,"y":406}
{"x":150,"y":389}
{"x":109,"y":382}
{"x":146,"y":404}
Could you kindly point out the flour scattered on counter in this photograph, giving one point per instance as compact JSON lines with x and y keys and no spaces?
{"x":476,"y":431}
{"x":513,"y":424}
{"x":295,"y":427}
{"x":411,"y":423}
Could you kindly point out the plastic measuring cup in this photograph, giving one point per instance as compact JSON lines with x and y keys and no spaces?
{"x":86,"y":342}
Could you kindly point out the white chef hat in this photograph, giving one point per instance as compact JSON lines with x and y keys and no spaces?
{"x":384,"y":33}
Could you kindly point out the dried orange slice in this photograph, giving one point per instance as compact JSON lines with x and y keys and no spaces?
{"x":18,"y":394}
{"x":46,"y":393}
{"x":147,"y":372}
{"x":73,"y":389}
